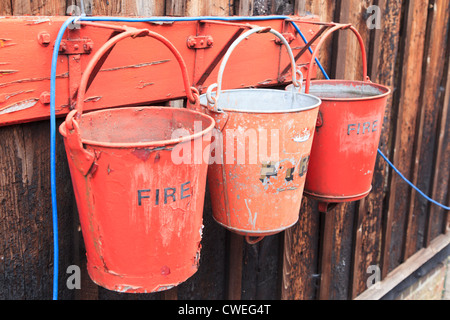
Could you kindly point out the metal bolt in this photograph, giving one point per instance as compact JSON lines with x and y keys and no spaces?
{"x":88,"y":46}
{"x":165,"y":270}
{"x":209,"y":41}
{"x":76,"y":47}
{"x":44,"y":38}
{"x":62,"y":46}
{"x":45,"y":97}
{"x":191,"y":42}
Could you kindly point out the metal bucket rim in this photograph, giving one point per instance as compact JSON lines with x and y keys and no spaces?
{"x":160,"y":143}
{"x":278,"y":91}
{"x":358,"y":82}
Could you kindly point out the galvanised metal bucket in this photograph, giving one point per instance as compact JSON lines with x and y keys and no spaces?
{"x":347,"y":134}
{"x":260,"y":153}
{"x":140,"y":214}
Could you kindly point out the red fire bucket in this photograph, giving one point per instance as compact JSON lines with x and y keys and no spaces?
{"x":258,"y":173}
{"x":347,"y":133}
{"x":140,"y":214}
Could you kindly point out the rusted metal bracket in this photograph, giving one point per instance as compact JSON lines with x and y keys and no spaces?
{"x":306,"y":47}
{"x":76,"y":46}
{"x":326,"y":207}
{"x":217,"y":59}
{"x":199,"y":42}
{"x":288,"y":36}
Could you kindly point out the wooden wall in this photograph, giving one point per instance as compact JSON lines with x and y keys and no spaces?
{"x":324,"y":256}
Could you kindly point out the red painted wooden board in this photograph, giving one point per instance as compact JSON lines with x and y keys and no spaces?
{"x":138,"y":71}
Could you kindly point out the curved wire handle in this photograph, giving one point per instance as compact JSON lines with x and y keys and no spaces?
{"x":84,"y":158}
{"x":212,"y":100}
{"x":322,"y":40}
{"x":191,"y":92}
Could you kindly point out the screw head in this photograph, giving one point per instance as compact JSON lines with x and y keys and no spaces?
{"x":44,"y":38}
{"x":88,"y":46}
{"x":44,"y":98}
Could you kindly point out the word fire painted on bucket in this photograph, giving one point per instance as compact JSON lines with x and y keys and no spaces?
{"x":164,"y":195}
{"x":362,"y":128}
{"x":271,"y":169}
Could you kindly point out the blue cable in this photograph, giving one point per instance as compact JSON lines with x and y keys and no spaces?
{"x":52,"y":106}
{"x":410,"y":183}
{"x":53,"y":157}
{"x":310,"y":50}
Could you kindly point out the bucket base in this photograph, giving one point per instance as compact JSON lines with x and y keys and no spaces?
{"x":336,"y":199}
{"x":135,"y":284}
{"x":252,"y":233}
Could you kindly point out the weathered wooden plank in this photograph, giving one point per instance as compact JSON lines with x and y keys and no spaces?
{"x":300,"y":273}
{"x":338,"y":271}
{"x":216,"y":7}
{"x":409,"y":91}
{"x":326,"y":251}
{"x":402,"y":271}
{"x":209,"y":282}
{"x":441,"y":173}
{"x":235,"y":247}
{"x":374,"y":46}
{"x":175,"y":8}
{"x":6,"y":8}
{"x":26,"y":248}
{"x":42,"y":8}
{"x":260,"y":269}
{"x":300,"y":7}
{"x":126,"y":7}
{"x":300,"y":255}
{"x":336,"y":252}
{"x":421,"y":230}
{"x":245,"y":8}
{"x":325,"y":10}
{"x":26,"y":251}
{"x":340,"y":41}
{"x":357,"y":250}
{"x":369,"y":216}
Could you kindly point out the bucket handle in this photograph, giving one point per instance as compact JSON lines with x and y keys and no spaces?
{"x":322,"y":40}
{"x":212,"y":100}
{"x":86,"y":158}
{"x":191,"y":92}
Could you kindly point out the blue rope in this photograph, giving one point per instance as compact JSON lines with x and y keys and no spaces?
{"x":410,"y":183}
{"x":310,"y":50}
{"x":53,"y":157}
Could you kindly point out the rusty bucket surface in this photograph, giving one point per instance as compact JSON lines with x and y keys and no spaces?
{"x":259,"y":153}
{"x":140,"y":214}
{"x":347,"y":134}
